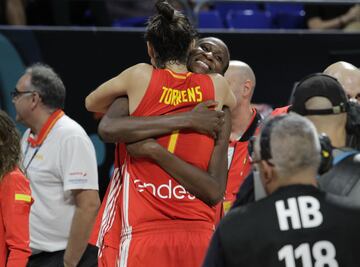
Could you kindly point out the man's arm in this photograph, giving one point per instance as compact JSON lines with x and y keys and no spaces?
{"x":316,"y":22}
{"x":78,"y":169}
{"x":118,"y":126}
{"x":87,"y":204}
{"x":208,"y":186}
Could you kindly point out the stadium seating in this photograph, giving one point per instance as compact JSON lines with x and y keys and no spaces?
{"x":249,"y":19}
{"x":210,"y":19}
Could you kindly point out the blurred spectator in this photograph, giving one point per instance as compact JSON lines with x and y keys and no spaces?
{"x":325,"y":17}
{"x":123,"y":9}
{"x":119,"y":9}
{"x":12,"y":12}
{"x":67,"y":12}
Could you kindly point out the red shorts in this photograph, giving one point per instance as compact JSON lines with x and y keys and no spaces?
{"x":109,"y":257}
{"x":169,"y":244}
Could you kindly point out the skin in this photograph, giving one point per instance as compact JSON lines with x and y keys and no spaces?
{"x":117,"y":126}
{"x":210,"y":55}
{"x":242,"y":82}
{"x":211,"y":185}
{"x":335,"y":23}
{"x":348,"y":76}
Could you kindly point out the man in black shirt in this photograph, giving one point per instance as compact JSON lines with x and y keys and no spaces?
{"x":326,"y":17}
{"x":297,"y":225}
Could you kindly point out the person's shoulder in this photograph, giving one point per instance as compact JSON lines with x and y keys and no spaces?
{"x":67,"y":127}
{"x":241,"y":213}
{"x":141,"y":68}
{"x":343,"y":209}
{"x":281,"y":110}
{"x":15,"y":179}
{"x":216,"y":77}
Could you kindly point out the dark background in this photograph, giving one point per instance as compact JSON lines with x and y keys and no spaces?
{"x":85,"y":58}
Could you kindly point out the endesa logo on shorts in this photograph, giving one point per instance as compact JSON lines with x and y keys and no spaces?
{"x":164,"y":191}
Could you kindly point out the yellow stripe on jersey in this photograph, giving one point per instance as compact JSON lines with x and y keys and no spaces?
{"x":182,"y":76}
{"x":172,"y":142}
{"x":23,"y":197}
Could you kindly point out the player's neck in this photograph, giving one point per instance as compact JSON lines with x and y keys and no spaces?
{"x":240,"y":120}
{"x":176,"y":67}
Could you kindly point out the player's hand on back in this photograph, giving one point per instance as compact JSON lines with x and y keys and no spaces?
{"x":205,"y":119}
{"x":143,"y":148}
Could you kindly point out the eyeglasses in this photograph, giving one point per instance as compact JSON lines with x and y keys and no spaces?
{"x":16,"y":93}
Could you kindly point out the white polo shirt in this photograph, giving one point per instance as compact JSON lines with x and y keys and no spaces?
{"x":65,"y":161}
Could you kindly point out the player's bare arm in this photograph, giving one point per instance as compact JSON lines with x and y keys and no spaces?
{"x":101,"y":98}
{"x":206,"y":186}
{"x":118,"y":126}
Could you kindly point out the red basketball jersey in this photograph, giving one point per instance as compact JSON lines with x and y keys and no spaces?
{"x":150,"y":194}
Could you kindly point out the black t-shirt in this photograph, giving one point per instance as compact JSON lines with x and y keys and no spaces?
{"x":325,"y":12}
{"x":295,"y":226}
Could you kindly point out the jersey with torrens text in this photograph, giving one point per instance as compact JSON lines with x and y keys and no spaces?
{"x":149,"y":193}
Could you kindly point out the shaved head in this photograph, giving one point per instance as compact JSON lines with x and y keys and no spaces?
{"x":348,"y":76}
{"x":241,"y":70}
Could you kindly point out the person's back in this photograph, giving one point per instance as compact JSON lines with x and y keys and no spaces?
{"x":343,"y":178}
{"x":175,"y":235}
{"x":297,"y":224}
{"x":302,"y":225}
{"x":155,"y":194}
{"x":200,"y":60}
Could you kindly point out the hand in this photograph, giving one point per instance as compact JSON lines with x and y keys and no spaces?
{"x":142,"y":149}
{"x":207,"y":120}
{"x":352,"y":14}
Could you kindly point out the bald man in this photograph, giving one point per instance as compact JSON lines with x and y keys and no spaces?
{"x":322,"y":100}
{"x":348,"y":76}
{"x":244,"y":120}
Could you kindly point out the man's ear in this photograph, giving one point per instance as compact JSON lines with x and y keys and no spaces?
{"x":247,"y":89}
{"x":268,"y":172}
{"x":151,"y":53}
{"x":36,"y":100}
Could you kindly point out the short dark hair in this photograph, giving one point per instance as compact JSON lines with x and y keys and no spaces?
{"x":48,"y":84}
{"x":170,"y":33}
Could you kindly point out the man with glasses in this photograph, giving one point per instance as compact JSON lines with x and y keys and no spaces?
{"x":59,"y":160}
{"x":297,"y":222}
